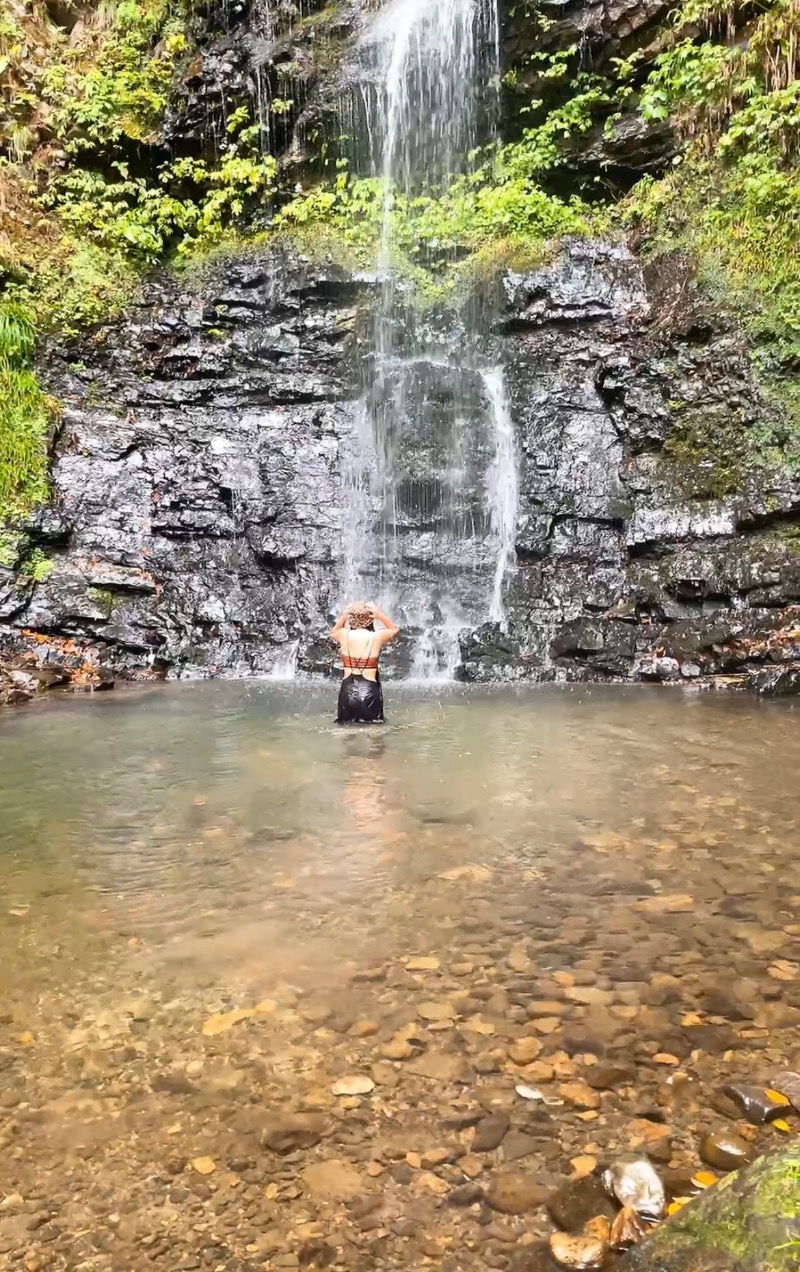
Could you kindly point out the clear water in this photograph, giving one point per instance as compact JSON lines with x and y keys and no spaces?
{"x":169,"y":855}
{"x":177,"y":812}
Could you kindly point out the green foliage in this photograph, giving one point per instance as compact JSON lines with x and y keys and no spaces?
{"x":502,"y":200}
{"x":733,"y":200}
{"x":86,"y":224}
{"x":25,"y":416}
{"x":102,"y":597}
{"x":36,"y":566}
{"x":124,"y":89}
{"x":10,"y":541}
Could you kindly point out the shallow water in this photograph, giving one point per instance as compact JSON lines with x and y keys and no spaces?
{"x":171,"y":854}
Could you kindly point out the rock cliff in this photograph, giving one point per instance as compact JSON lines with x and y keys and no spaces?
{"x":197,"y":519}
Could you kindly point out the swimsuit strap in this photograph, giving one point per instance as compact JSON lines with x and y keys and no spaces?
{"x":363,"y":663}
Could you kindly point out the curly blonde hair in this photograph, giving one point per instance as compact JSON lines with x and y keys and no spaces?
{"x":359,"y":614}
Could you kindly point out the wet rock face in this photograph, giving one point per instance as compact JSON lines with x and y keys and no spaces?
{"x":630,"y":559}
{"x":198,"y":519}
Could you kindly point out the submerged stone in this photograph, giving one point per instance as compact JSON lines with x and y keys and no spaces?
{"x":757,"y":1104}
{"x":748,"y":1222}
{"x":513,"y":1193}
{"x":726,"y":1151}
{"x":577,"y":1203}
{"x":634,"y":1183}
{"x":577,"y":1252}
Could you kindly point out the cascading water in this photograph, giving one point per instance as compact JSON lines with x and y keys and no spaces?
{"x":285,"y":665}
{"x":501,"y":486}
{"x":429,"y":477}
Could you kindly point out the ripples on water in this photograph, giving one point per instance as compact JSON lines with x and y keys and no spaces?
{"x":196,"y":814}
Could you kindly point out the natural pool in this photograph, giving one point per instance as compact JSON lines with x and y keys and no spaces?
{"x":592,"y":891}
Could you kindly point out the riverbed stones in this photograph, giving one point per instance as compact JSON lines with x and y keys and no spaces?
{"x":299,"y":1131}
{"x":489,"y":1133}
{"x":577,"y":1252}
{"x":579,"y":1094}
{"x":725,"y":1151}
{"x":576,"y":1203}
{"x":436,"y":1011}
{"x":758,"y":1104}
{"x":398,"y":1048}
{"x":333,"y":1180}
{"x":423,"y":963}
{"x":517,"y":1145}
{"x":466,"y":1194}
{"x":439,"y":1066}
{"x":353,"y":1084}
{"x":608,"y":1077}
{"x":589,"y":995}
{"x":515,"y":1193}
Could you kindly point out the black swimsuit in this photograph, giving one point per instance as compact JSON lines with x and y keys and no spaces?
{"x":360,"y":700}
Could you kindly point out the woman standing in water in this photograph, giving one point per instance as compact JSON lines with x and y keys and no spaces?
{"x":361,"y":697}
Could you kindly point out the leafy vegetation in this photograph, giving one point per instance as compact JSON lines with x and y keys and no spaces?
{"x":733,"y":199}
{"x":25,"y":416}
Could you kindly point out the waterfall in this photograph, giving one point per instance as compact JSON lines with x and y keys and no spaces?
{"x":501,"y":486}
{"x":429,"y":483}
{"x":285,"y":664}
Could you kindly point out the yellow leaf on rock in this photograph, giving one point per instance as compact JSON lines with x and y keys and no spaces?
{"x":218,"y":1024}
{"x":704,"y":1179}
{"x":204,"y":1165}
{"x":677,"y":1204}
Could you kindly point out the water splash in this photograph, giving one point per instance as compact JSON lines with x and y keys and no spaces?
{"x":285,"y":664}
{"x":501,"y":487}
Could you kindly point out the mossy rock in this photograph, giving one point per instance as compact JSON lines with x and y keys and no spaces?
{"x":748,"y":1222}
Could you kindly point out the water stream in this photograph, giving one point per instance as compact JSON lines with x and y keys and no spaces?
{"x":428,"y":474}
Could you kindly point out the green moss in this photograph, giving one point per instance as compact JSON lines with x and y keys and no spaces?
{"x":36,"y":566}
{"x":718,"y":448}
{"x":10,"y":543}
{"x":779,"y":1190}
{"x":103,"y":598}
{"x":749,"y":1217}
{"x":26,"y":414}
